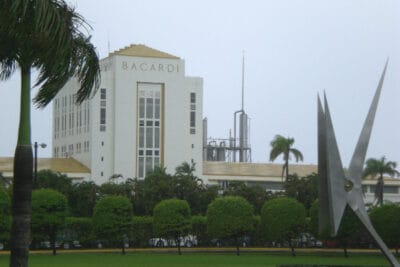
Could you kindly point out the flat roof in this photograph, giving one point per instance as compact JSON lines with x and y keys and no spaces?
{"x":62,"y":165}
{"x":218,"y":168}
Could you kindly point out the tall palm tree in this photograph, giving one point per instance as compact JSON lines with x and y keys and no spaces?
{"x":284,"y":146}
{"x":379,"y":167}
{"x":45,"y":35}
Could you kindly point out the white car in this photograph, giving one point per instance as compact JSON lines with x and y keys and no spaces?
{"x":186,"y":241}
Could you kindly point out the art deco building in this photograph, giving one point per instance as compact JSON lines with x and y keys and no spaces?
{"x":147,"y":113}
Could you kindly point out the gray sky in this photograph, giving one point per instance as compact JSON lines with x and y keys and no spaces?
{"x":294,"y":49}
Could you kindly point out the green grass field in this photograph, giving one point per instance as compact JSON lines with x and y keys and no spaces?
{"x":192,"y":260}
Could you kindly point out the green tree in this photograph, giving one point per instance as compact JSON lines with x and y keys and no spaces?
{"x":282,"y":220}
{"x":350,"y":230}
{"x":187,"y":186}
{"x":49,"y":210}
{"x":142,"y":230}
{"x":5,"y":216}
{"x":386,"y":220}
{"x":82,"y":199}
{"x":53,"y":180}
{"x":303,"y":189}
{"x":199,"y":229}
{"x":157,"y":186}
{"x":379,"y":167}
{"x":171,"y":219}
{"x":186,"y":169}
{"x":206,"y":195}
{"x":44,"y":35}
{"x":254,"y":194}
{"x":80,"y":229}
{"x":284,"y":146}
{"x":112,"y":219}
{"x":230,"y":217}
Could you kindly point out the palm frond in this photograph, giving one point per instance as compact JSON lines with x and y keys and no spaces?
{"x":297,"y":154}
{"x":374,"y":167}
{"x":77,"y":57}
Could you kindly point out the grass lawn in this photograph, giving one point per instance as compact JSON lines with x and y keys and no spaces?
{"x":192,"y":260}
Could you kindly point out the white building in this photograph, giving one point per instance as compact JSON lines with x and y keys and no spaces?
{"x":147,"y":113}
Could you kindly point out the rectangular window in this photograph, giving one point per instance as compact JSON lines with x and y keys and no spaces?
{"x":103,"y":93}
{"x":149,"y":130}
{"x":149,"y":108}
{"x":192,"y":119}
{"x":56,"y":149}
{"x":157,"y":108}
{"x":141,"y":137}
{"x":141,"y":167}
{"x":141,"y":108}
{"x":156,"y":137}
{"x":149,"y":137}
{"x":103,"y":116}
{"x":103,"y":106}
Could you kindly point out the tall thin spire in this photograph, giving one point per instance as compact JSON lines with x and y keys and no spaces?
{"x":108,"y":42}
{"x":243,"y":82}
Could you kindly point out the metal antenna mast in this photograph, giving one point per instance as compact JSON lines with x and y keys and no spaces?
{"x":243,"y":82}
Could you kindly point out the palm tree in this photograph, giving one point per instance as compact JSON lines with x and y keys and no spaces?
{"x":379,"y":167}
{"x":283,"y":146}
{"x":45,"y":35}
{"x":185,"y":169}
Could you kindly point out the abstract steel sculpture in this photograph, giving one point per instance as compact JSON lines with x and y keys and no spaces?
{"x":336,"y":190}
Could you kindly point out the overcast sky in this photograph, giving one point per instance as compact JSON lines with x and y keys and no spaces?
{"x":293,"y":50}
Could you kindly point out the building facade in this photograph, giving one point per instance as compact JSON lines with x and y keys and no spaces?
{"x":146,"y":114}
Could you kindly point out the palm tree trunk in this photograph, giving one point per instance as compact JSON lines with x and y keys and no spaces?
{"x":380,"y":192}
{"x":22,"y":184}
{"x":287,"y":169}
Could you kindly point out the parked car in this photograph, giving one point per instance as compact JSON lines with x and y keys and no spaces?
{"x":158,"y":242}
{"x":306,"y":240}
{"x":186,"y":241}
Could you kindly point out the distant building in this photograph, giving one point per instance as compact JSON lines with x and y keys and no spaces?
{"x":147,"y":113}
{"x":68,"y":166}
{"x":268,"y":176}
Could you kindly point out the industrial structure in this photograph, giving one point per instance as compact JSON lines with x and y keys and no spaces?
{"x":237,"y":147}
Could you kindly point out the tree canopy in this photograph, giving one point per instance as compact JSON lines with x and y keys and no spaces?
{"x":282,"y":220}
{"x":303,"y":189}
{"x":49,"y":210}
{"x":284,"y":146}
{"x":5,"y":216}
{"x":112,"y":219}
{"x":171,"y":219}
{"x":379,"y":167}
{"x":230,"y":217}
{"x":386,"y":220}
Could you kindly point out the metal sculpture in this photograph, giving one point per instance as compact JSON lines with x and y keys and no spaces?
{"x":336,"y":190}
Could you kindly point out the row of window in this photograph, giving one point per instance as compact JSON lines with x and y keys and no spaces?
{"x":68,"y":151}
{"x":70,"y":118}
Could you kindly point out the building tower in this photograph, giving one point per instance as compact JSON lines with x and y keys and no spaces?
{"x":146,"y":114}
